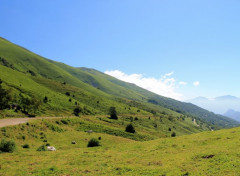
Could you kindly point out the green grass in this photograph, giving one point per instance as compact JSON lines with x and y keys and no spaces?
{"x":205,"y":153}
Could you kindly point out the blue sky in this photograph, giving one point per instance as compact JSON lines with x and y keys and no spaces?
{"x":196,"y":40}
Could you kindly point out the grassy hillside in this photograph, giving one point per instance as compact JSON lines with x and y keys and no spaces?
{"x":29,"y":76}
{"x":120,"y":153}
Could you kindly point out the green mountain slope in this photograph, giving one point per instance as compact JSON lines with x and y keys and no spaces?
{"x":29,"y":75}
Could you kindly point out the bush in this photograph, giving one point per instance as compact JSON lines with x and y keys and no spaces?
{"x":41,"y":148}
{"x":173,"y":134}
{"x":130,"y":129}
{"x":99,"y":138}
{"x":77,"y":110}
{"x":26,"y":146}
{"x":45,"y":100}
{"x":7,"y":146}
{"x":93,"y":143}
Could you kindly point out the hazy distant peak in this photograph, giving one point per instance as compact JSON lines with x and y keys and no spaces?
{"x":233,"y":114}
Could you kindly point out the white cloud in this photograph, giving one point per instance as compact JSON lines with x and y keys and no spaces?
{"x":182,"y":83}
{"x":168,"y":74}
{"x":196,"y":83}
{"x":164,"y":86}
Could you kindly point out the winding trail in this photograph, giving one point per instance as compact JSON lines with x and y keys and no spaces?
{"x":16,"y":121}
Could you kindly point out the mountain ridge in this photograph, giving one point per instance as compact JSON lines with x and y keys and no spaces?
{"x":89,"y":88}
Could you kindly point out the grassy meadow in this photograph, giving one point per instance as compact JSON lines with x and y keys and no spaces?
{"x":149,"y":151}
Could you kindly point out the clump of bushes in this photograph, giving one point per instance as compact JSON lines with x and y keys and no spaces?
{"x":26,"y":146}
{"x":93,"y":143}
{"x":7,"y":146}
{"x":130,"y":129}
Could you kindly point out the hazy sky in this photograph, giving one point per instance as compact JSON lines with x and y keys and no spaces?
{"x":177,"y":48}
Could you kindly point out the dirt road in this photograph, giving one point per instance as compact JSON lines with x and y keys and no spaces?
{"x":16,"y":121}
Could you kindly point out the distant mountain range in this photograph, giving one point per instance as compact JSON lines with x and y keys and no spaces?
{"x":226,"y":105}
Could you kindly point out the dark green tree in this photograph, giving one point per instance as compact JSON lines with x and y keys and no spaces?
{"x":113,"y":113}
{"x":130,"y":129}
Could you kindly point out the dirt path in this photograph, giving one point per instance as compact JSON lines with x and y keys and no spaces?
{"x":16,"y":121}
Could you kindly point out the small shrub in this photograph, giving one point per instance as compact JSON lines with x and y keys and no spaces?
{"x":45,"y":140}
{"x":41,"y":148}
{"x":173,"y":134}
{"x":64,"y":121}
{"x":26,"y":146}
{"x":77,"y":110}
{"x":169,"y":129}
{"x":68,"y":93}
{"x":130,"y":129}
{"x":99,"y":138}
{"x":93,"y":143}
{"x":7,"y":146}
{"x":135,"y":118}
{"x":45,"y":100}
{"x":47,"y":144}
